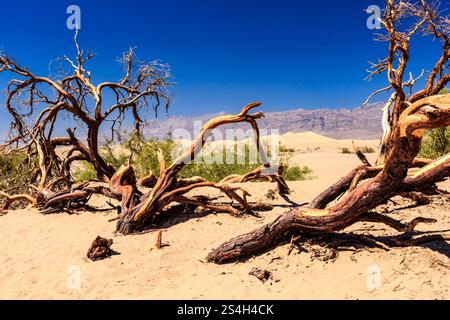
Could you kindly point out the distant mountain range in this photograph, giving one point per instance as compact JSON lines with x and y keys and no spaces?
{"x":359,"y":123}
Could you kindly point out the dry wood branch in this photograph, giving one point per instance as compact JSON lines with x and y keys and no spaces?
{"x":360,"y":155}
{"x":75,"y":198}
{"x":262,"y":173}
{"x":418,"y":197}
{"x":426,"y":177}
{"x":10,"y":199}
{"x":420,"y":180}
{"x":233,"y":209}
{"x":262,"y":274}
{"x":123,"y":184}
{"x":147,"y":181}
{"x":159,"y":240}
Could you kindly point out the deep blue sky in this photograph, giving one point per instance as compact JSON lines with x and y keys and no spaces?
{"x":223,"y":53}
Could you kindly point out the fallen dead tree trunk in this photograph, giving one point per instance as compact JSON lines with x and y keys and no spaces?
{"x":405,"y":118}
{"x":430,"y":112}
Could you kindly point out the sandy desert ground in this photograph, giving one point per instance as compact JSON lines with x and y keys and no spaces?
{"x":41,"y":254}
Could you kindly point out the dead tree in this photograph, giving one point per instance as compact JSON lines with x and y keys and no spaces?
{"x":38,"y":104}
{"x":46,"y":101}
{"x":138,"y":212}
{"x":407,"y":117}
{"x":169,"y":189}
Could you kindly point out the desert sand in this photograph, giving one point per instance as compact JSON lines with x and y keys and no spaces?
{"x":40,"y":253}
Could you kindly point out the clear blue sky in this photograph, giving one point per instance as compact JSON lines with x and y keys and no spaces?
{"x":223,"y":53}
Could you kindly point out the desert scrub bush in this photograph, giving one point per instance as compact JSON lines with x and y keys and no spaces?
{"x":435,"y":143}
{"x":216,"y":171}
{"x":16,"y":171}
{"x":84,"y":172}
{"x":345,"y":150}
{"x":364,"y":149}
{"x":284,"y":149}
{"x":143,"y":155}
{"x":141,"y":152}
{"x":296,"y":173}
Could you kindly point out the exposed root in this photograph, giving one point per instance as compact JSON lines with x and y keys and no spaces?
{"x":10,"y":199}
{"x":395,"y":224}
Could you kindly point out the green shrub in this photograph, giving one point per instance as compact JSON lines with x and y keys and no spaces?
{"x":296,"y":173}
{"x":84,"y":172}
{"x":435,"y":143}
{"x":284,"y":149}
{"x":145,"y":160}
{"x":16,"y":171}
{"x":366,"y":149}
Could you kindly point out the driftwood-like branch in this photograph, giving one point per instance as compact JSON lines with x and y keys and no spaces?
{"x":10,"y":199}
{"x":361,"y":156}
{"x":262,"y":173}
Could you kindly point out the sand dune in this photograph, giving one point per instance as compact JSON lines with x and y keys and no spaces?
{"x":42,"y":256}
{"x":307,"y":136}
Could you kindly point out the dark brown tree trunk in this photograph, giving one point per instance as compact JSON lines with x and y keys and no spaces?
{"x":104,"y":171}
